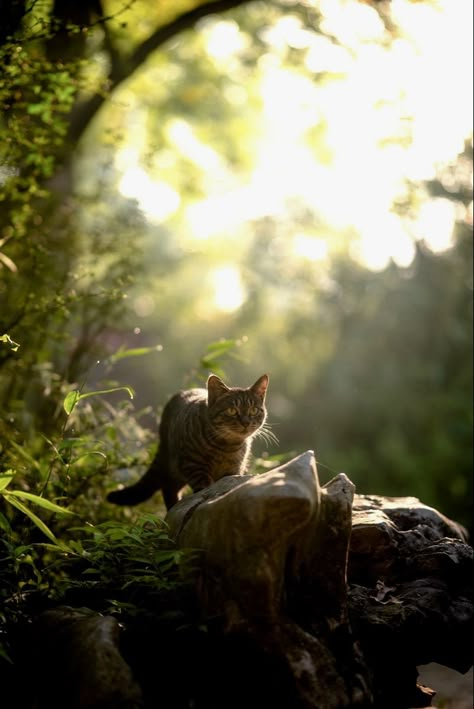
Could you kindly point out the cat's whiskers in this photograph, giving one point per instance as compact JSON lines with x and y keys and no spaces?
{"x":266,"y":438}
{"x":216,"y":434}
{"x":223,"y":435}
{"x":265,"y":433}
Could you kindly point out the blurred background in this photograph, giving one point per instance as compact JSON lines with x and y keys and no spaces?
{"x":243,"y":187}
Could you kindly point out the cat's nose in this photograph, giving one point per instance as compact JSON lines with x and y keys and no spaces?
{"x":245,"y":420}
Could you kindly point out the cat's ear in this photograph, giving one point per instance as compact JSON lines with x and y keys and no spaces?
{"x":260,"y":386}
{"x":215,"y":387}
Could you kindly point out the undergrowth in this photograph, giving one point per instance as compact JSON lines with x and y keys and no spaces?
{"x":60,"y":542}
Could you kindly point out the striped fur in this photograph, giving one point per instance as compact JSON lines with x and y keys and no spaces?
{"x":204,"y":435}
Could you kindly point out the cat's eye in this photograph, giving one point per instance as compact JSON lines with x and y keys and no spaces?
{"x":232,"y":411}
{"x":253,"y":411}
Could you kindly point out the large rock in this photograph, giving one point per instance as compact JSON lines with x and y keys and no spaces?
{"x":76,"y":662}
{"x":274,"y":562}
{"x":315,"y":574}
{"x":411,"y":592}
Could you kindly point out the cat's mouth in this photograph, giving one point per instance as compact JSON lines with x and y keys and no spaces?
{"x":240,"y":432}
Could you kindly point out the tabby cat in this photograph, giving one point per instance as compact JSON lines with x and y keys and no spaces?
{"x":204,"y":435}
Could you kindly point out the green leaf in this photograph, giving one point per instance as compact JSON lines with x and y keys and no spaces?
{"x":70,"y":401}
{"x":5,"y":655}
{"x":24,"y":454}
{"x":6,"y":478}
{"x":40,"y":501}
{"x":107,"y":391}
{"x":74,"y":396}
{"x":8,"y":340}
{"x":5,"y":524}
{"x":67,"y":443}
{"x":220,"y":344}
{"x":136,"y":352}
{"x":37,"y":521}
{"x":62,"y":548}
{"x":87,"y":454}
{"x":218,"y":349}
{"x":35,"y":108}
{"x":214,"y":352}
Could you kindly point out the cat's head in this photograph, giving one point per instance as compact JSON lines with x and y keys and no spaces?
{"x":236,"y":413}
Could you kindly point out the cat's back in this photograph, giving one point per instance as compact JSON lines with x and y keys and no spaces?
{"x":181,"y":424}
{"x":184,"y":405}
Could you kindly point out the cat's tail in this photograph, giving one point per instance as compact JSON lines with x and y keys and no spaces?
{"x":141,"y":490}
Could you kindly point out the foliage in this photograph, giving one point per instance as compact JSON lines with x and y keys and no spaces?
{"x":394,"y":400}
{"x":17,"y":499}
{"x":126,"y":562}
{"x":117,"y":562}
{"x":119,"y":568}
{"x":74,"y":397}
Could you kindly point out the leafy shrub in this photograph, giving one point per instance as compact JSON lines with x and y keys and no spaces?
{"x":60,"y":542}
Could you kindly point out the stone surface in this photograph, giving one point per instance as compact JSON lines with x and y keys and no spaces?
{"x":410,"y":578}
{"x":353,"y":592}
{"x":275,"y":550}
{"x":246,"y":527}
{"x":77,"y":662}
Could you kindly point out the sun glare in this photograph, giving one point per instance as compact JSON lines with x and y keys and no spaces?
{"x":156,"y":199}
{"x":223,"y":39}
{"x":435,"y":223}
{"x":310,"y":248}
{"x":393,"y":112}
{"x":228,"y":289}
{"x":185,"y":141}
{"x":395,"y":116}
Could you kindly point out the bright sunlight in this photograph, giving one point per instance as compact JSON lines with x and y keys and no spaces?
{"x":375,"y":113}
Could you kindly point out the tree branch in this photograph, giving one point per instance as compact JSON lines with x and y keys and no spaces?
{"x":183,"y":22}
{"x":120,"y":71}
